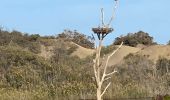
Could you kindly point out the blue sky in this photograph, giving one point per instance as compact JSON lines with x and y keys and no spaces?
{"x":50,"y":17}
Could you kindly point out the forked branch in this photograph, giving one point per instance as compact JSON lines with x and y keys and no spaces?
{"x":107,"y":61}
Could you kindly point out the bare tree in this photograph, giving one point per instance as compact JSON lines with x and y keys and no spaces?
{"x":100,"y":70}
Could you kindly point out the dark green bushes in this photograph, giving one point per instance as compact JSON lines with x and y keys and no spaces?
{"x":133,"y":39}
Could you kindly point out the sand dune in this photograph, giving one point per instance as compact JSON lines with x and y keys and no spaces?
{"x":82,"y":52}
{"x":156,"y":51}
{"x":124,"y":51}
{"x":152,"y":52}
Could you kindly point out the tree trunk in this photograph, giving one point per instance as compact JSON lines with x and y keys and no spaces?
{"x":100,"y":75}
{"x":99,"y":93}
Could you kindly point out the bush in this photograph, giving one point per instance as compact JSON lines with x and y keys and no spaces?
{"x":34,"y":37}
{"x":78,"y":38}
{"x":133,"y":39}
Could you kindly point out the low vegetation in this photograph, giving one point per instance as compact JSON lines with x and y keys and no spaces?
{"x":26,"y":41}
{"x":24,"y":75}
{"x":138,"y":77}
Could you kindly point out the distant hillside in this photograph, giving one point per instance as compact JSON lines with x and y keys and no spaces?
{"x":151,"y":52}
{"x":156,"y":51}
{"x":33,"y":67}
{"x":82,"y":52}
{"x":123,"y":52}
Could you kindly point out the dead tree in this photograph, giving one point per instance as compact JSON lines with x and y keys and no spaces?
{"x":100,"y":69}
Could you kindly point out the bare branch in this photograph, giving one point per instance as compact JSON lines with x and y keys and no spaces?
{"x":94,"y":68}
{"x":105,"y":89}
{"x":116,"y":50}
{"x":107,"y":61}
{"x":107,"y":78}
{"x":112,"y":17}
{"x":108,"y":58}
{"x":102,"y":17}
{"x":111,"y":73}
{"x":94,"y":61}
{"x":97,"y":64}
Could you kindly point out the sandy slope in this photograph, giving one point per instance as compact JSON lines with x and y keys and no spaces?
{"x":156,"y":51}
{"x":46,"y":52}
{"x":124,"y":51}
{"x":152,"y":52}
{"x":82,"y":52}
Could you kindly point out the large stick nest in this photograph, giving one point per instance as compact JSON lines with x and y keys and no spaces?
{"x":102,"y":30}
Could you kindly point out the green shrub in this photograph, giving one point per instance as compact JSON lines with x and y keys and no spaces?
{"x":133,"y":39}
{"x":34,"y":37}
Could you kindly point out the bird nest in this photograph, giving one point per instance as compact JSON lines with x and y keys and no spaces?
{"x":102,"y":30}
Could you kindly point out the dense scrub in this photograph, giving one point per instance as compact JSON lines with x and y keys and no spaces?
{"x":23,"y":40}
{"x":24,"y":73}
{"x":26,"y":76}
{"x":140,"y":77}
{"x":20,"y":68}
{"x":133,"y":39}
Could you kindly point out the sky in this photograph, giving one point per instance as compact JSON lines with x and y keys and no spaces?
{"x":51,"y":17}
